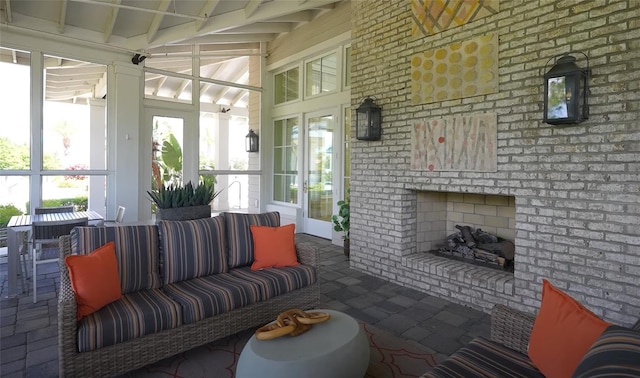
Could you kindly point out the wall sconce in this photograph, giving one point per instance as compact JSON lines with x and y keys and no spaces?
{"x":565,"y":91}
{"x":251,"y":141}
{"x":368,"y":120}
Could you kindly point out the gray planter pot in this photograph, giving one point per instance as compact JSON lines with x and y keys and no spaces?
{"x":184,"y":213}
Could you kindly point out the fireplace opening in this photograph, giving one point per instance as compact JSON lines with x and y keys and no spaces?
{"x":473,"y":228}
{"x":475,"y":246}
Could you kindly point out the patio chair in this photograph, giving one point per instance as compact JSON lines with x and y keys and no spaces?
{"x":23,"y":251}
{"x":119,"y":217}
{"x":46,"y":234}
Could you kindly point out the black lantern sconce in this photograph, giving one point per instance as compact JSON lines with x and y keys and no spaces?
{"x":566,"y":91}
{"x":251,"y":141}
{"x":368,"y":120}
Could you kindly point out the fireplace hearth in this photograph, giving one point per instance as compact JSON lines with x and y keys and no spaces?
{"x":475,"y":246}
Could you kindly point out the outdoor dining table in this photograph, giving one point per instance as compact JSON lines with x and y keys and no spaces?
{"x":21,"y":223}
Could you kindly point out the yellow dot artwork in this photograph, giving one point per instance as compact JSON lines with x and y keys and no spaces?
{"x":461,"y":69}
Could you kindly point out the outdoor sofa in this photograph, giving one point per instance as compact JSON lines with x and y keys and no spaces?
{"x":184,"y":284}
{"x":615,"y":353}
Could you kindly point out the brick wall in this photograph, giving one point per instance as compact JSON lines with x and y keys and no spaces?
{"x":576,"y":187}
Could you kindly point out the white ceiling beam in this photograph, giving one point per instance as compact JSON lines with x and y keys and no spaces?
{"x":226,"y":90}
{"x":252,"y":7}
{"x":304,"y":16}
{"x":157,"y":20}
{"x":160,"y":84}
{"x":206,"y":12}
{"x":181,"y":88}
{"x":230,"y":38}
{"x":239,"y":97}
{"x":62,"y":17}
{"x":146,"y":10}
{"x":8,"y":10}
{"x":111,"y":21}
{"x":260,"y":28}
{"x":274,"y":8}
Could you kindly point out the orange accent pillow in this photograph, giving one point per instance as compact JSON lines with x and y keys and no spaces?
{"x":562,"y":333}
{"x":94,"y":279}
{"x":273,"y":247}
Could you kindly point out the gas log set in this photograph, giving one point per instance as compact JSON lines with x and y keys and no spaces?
{"x":478,"y":247}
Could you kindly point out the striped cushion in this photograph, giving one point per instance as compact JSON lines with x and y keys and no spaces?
{"x":277,"y":281}
{"x":134,"y":315}
{"x":212,"y":295}
{"x":191,"y":249}
{"x":485,"y":358}
{"x":239,"y":234}
{"x":616,"y":353}
{"x":136,"y":250}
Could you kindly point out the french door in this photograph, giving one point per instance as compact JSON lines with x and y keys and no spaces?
{"x":319,"y":164}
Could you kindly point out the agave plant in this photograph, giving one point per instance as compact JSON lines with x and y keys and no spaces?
{"x":173,"y":195}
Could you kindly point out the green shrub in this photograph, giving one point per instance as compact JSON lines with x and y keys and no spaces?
{"x":6,"y":212}
{"x":80,"y":203}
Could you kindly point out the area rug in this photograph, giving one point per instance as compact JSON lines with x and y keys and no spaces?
{"x":391,"y":357}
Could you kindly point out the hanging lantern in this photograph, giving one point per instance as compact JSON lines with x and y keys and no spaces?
{"x":565,"y":92}
{"x":251,"y":141}
{"x":368,"y":120}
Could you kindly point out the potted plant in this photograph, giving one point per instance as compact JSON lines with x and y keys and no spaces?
{"x":183,"y":202}
{"x":341,"y":222}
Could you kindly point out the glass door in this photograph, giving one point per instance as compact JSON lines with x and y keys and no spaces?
{"x":318,"y":173}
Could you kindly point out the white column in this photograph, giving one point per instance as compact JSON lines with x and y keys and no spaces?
{"x":222,"y":181}
{"x":97,"y":120}
{"x":126,"y":143}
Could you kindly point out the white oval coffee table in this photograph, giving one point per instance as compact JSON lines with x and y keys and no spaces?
{"x":336,"y":348}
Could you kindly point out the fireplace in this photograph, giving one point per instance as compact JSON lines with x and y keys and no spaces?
{"x":438,"y":213}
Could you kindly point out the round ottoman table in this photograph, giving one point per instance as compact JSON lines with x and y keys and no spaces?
{"x":336,"y":348}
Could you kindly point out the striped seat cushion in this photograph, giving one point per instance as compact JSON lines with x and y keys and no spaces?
{"x":616,"y":353}
{"x":191,"y":249}
{"x":212,"y":295}
{"x":136,"y":251}
{"x":239,"y":235}
{"x":485,"y":358}
{"x":134,"y":315}
{"x":277,"y":281}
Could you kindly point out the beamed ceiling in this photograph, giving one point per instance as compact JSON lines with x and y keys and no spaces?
{"x":222,"y":33}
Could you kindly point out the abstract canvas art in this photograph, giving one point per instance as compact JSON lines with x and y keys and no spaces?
{"x":456,"y":143}
{"x":460,"y":70}
{"x":433,"y":16}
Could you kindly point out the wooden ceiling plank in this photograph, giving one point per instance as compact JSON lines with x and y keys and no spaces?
{"x":206,"y":12}
{"x":157,"y":20}
{"x":62,"y":18}
{"x":111,"y":21}
{"x":8,"y":9}
{"x":252,"y":7}
{"x":267,"y":11}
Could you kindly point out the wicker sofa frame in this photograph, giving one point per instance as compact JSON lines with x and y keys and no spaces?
{"x":509,"y":327}
{"x":123,"y":357}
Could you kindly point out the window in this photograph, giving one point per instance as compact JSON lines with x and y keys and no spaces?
{"x":15,"y":97}
{"x":286,"y":86}
{"x":69,"y":166}
{"x":347,"y":152}
{"x":321,"y":75}
{"x":285,"y":160}
{"x":347,"y":67}
{"x":224,"y":160}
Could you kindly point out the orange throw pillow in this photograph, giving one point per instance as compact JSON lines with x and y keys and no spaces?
{"x":94,"y":279}
{"x":274,"y":247}
{"x":562,"y":333}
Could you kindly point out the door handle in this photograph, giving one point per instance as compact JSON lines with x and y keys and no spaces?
{"x":305,"y":187}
